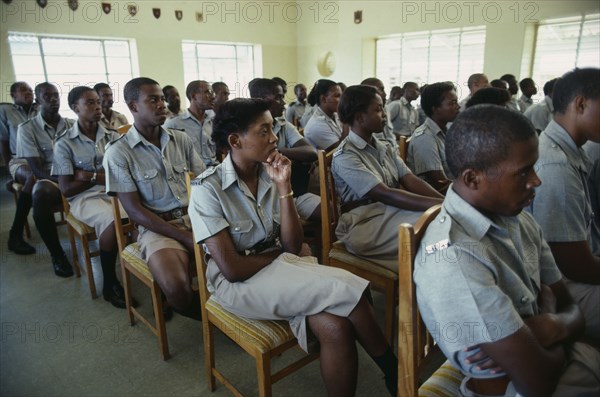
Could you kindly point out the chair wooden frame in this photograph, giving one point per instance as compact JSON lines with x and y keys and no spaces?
{"x":403,"y":147}
{"x":414,"y":341}
{"x":128,"y":269}
{"x":85,"y":234}
{"x":380,"y":278}
{"x":211,"y":320}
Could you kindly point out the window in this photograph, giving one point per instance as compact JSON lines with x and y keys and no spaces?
{"x":563,"y":44}
{"x":69,"y":62}
{"x":431,"y":56}
{"x":234,"y":64}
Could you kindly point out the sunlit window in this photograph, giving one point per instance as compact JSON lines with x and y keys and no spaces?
{"x":234,"y":64}
{"x":431,"y":56}
{"x":69,"y":62}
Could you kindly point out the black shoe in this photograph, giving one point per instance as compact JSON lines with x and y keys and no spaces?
{"x":19,"y":246}
{"x":62,"y":267}
{"x":116,"y":296}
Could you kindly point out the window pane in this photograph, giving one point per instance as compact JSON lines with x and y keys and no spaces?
{"x":24,"y":64}
{"x":116,"y":49}
{"x":66,"y":47}
{"x":74,"y":65}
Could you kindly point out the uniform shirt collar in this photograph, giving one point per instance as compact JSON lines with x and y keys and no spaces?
{"x":468,"y":217}
{"x":561,"y":137}
{"x":229,"y":174}
{"x":432,"y":127}
{"x":404,"y":102}
{"x":74,"y":132}
{"x":134,"y":137}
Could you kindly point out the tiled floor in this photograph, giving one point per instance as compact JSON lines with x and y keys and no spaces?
{"x":57,"y":341}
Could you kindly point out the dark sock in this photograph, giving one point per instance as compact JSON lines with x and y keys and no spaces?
{"x":388,"y":363}
{"x":193,"y":311}
{"x":21,"y":212}
{"x":107,"y":260}
{"x":46,"y":226}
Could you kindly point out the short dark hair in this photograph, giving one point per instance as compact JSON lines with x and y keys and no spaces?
{"x":100,"y":86}
{"x":489,"y":95}
{"x":481,"y":137}
{"x":409,"y":84}
{"x":217,"y":85}
{"x":526,"y":82}
{"x":235,"y":116}
{"x":507,"y":77}
{"x":76,"y":93}
{"x":584,"y":82}
{"x":166,"y":89}
{"x":131,"y":92}
{"x":475,"y":77}
{"x":355,"y":99}
{"x":260,"y":87}
{"x":549,"y":87}
{"x":433,"y":95}
{"x":499,"y":83}
{"x":15,"y":86}
{"x":194,"y":87}
{"x":281,"y":82}
{"x":321,"y":87}
{"x":42,"y":86}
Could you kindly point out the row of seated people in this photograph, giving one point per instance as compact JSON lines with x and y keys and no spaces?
{"x":145,"y":167}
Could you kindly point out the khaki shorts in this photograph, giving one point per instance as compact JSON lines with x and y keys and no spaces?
{"x":14,"y":164}
{"x":151,"y":242}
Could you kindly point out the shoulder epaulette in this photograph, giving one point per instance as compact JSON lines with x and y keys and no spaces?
{"x":208,"y":172}
{"x":109,"y":144}
{"x":340,"y":148}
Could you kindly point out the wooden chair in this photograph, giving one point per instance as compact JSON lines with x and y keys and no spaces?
{"x":335,"y":254}
{"x":403,"y":147}
{"x":132,"y":264}
{"x":123,"y":129}
{"x":262,"y":339}
{"x":85,"y":234}
{"x":418,"y":355}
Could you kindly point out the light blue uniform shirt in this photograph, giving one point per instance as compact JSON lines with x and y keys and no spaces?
{"x":132,"y":164}
{"x":200,"y":132}
{"x":10,"y":118}
{"x":427,"y":150}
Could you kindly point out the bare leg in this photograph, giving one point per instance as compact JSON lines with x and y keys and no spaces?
{"x":339,"y":358}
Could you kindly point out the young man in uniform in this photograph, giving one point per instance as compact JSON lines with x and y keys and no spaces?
{"x":487,"y":286}
{"x":146,"y":170}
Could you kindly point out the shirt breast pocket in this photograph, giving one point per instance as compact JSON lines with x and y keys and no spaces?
{"x":47,"y":153}
{"x":179,"y":171}
{"x":86,"y":164}
{"x":148,"y":184}
{"x":241,"y":233}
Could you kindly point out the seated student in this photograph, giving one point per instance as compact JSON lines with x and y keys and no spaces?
{"x":475,"y":82}
{"x":562,"y":205}
{"x":296,"y":109}
{"x":426,"y":156}
{"x":376,"y":188}
{"x":111,"y":119}
{"x":221,"y":91}
{"x":513,"y":88}
{"x":499,"y":83}
{"x":196,"y":121}
{"x":487,"y":286}
{"x":395,"y":94}
{"x":242,"y":211}
{"x":528,"y":88}
{"x":292,"y":145}
{"x":11,"y":116}
{"x":387,"y":133}
{"x":402,"y":114}
{"x":324,"y":130}
{"x":173,"y":101}
{"x":35,"y":143}
{"x":77,"y":163}
{"x":540,"y":114}
{"x":490,"y":96}
{"x":146,"y":170}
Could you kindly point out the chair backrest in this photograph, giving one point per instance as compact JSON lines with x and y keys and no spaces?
{"x":122,"y":228}
{"x":199,"y":256}
{"x":123,"y":129}
{"x":414,"y":342}
{"x":330,"y":207}
{"x":403,"y":147}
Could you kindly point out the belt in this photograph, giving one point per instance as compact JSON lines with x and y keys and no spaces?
{"x":347,"y":207}
{"x":177,"y":213}
{"x":489,"y":387}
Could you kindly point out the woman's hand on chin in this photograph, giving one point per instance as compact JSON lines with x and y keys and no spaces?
{"x":279,"y":168}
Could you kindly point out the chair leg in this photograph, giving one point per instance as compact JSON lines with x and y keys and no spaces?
{"x":127,"y":288}
{"x":390,"y":309}
{"x":76,"y":265}
{"x":27,"y":229}
{"x":263,"y":369}
{"x":159,"y":320}
{"x":209,"y":353}
{"x":85,"y":246}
